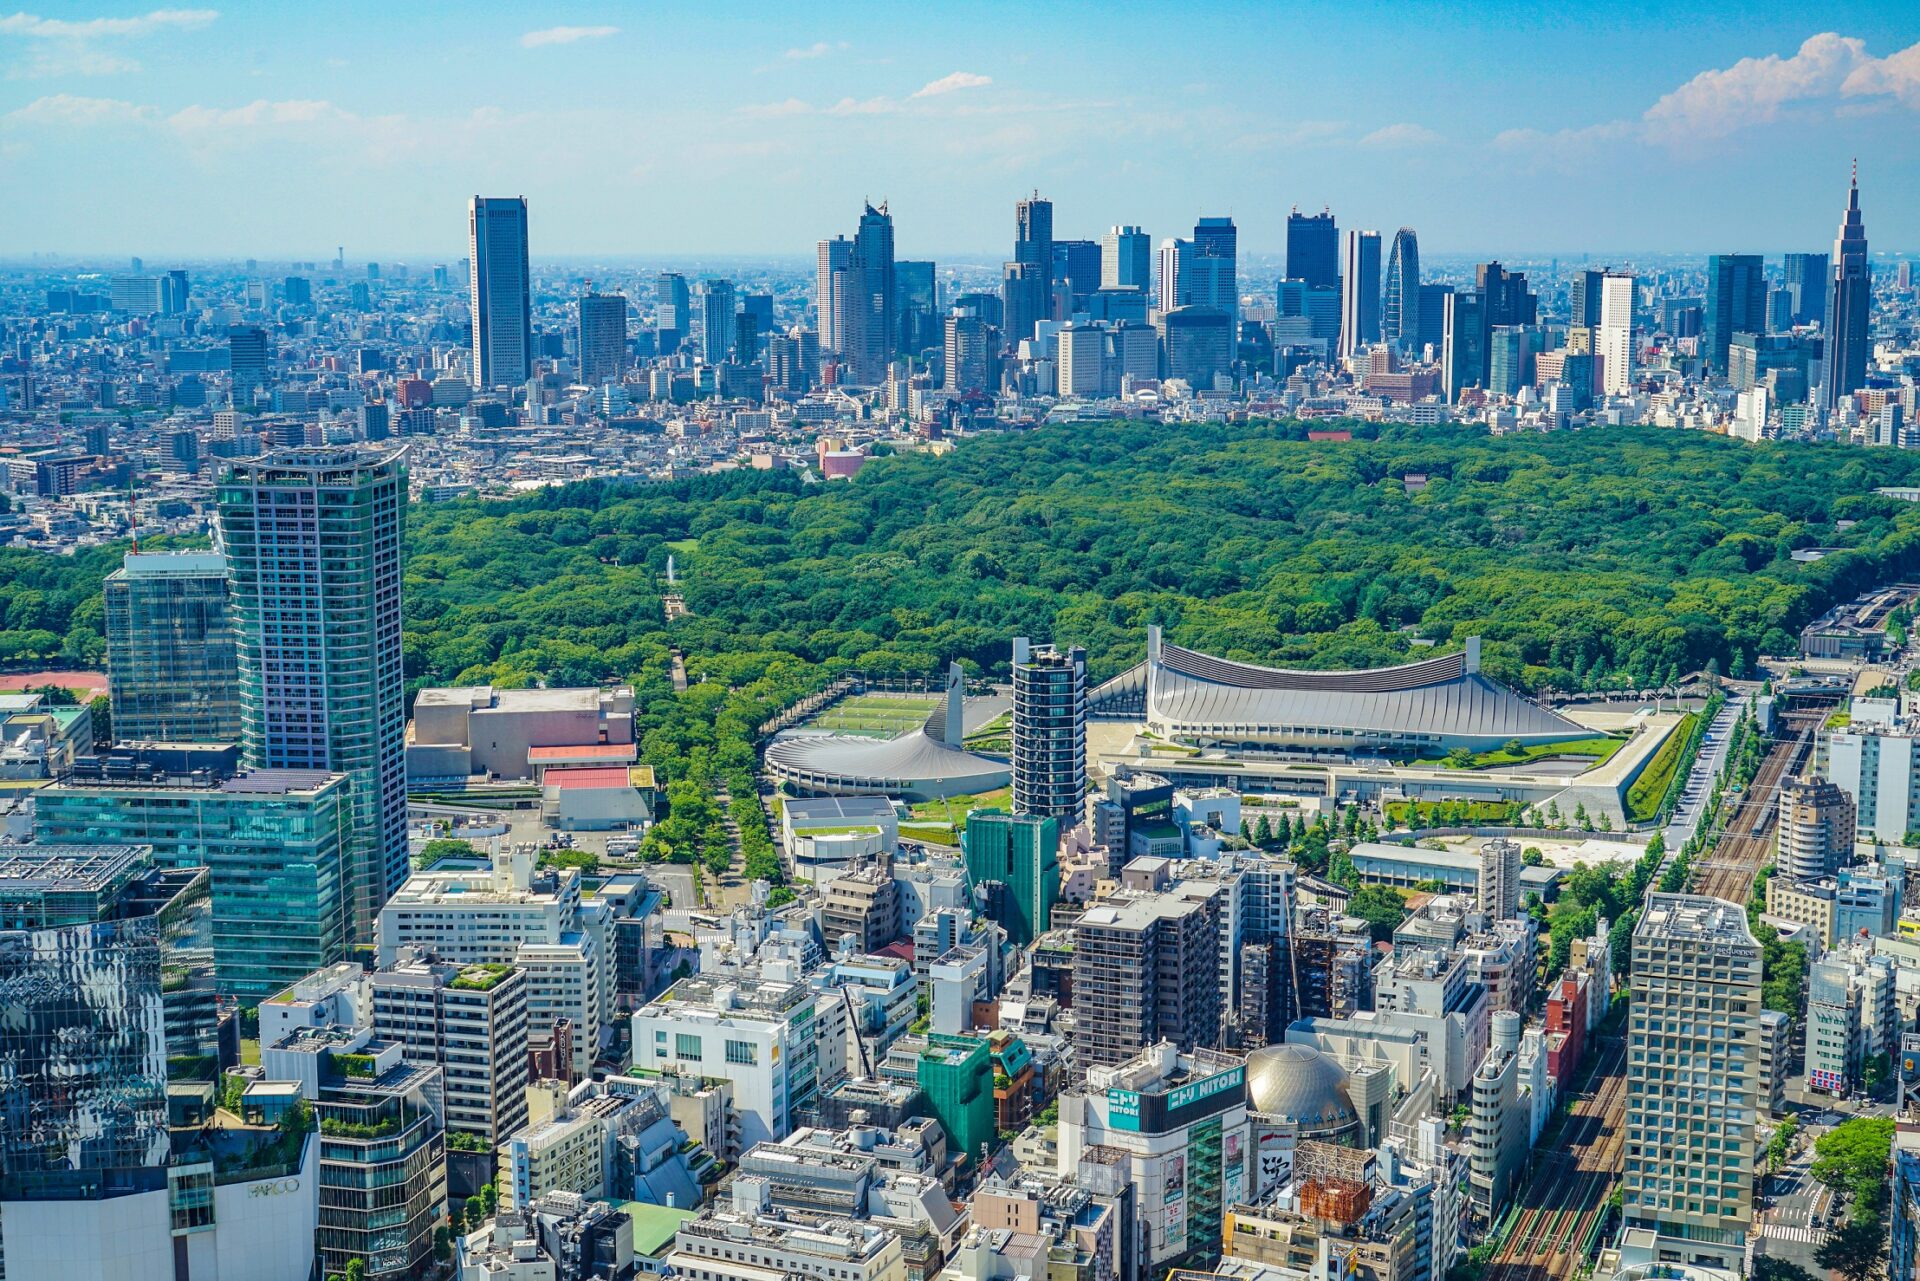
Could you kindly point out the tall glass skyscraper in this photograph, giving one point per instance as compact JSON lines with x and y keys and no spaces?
{"x":1400,"y":306}
{"x":1844,"y":370}
{"x":1736,"y":303}
{"x":82,"y":1024}
{"x":313,"y":537}
{"x":171,"y":667}
{"x":502,"y":290}
{"x":869,"y":322}
{"x":672,"y":311}
{"x":1126,"y":259}
{"x":718,"y":302}
{"x":1313,"y":249}
{"x":1049,"y":735}
{"x":603,"y":338}
{"x":1359,"y":291}
{"x":1806,"y":280}
{"x":830,"y":283}
{"x":1215,"y":266}
{"x":1033,"y":237}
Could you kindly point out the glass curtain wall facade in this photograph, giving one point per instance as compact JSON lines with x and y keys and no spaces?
{"x":83,"y":1044}
{"x":273,"y":845}
{"x":313,"y":538}
{"x":172,"y":672}
{"x":383,"y":1171}
{"x":1049,"y":737}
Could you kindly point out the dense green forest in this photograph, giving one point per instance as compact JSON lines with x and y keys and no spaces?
{"x":1587,"y":559}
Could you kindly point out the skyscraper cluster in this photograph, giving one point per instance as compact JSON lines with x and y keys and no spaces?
{"x":1100,"y":317}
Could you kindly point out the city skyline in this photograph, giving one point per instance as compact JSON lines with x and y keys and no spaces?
{"x":751,"y":135}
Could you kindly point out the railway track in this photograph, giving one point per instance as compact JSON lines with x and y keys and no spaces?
{"x":1567,"y":1188}
{"x":1747,"y":844}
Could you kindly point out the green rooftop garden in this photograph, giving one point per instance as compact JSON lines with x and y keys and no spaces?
{"x":483,"y":977}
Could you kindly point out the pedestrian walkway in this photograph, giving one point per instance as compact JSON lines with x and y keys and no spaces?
{"x":1699,"y":784}
{"x":1784,"y":1232}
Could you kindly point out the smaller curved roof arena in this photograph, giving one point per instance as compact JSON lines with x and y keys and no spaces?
{"x":923,"y":765}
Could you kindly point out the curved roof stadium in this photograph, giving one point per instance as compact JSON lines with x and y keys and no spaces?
{"x":924,"y":765}
{"x":1433,"y":705}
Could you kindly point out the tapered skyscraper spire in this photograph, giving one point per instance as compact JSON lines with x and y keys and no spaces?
{"x":1849,"y":296}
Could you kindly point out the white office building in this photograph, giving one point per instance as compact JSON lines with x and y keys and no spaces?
{"x":511,"y":914}
{"x":1614,"y":343}
{"x":760,"y":1026}
{"x":1079,"y":361}
{"x":749,"y":1240}
{"x":1879,"y":767}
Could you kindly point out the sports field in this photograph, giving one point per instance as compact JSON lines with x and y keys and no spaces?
{"x":876,"y":715}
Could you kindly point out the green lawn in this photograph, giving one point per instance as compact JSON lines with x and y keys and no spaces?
{"x":1648,"y":790}
{"x":933,"y":833}
{"x":1411,"y":814}
{"x":953,"y":810}
{"x":994,"y":736}
{"x":1599,"y":748}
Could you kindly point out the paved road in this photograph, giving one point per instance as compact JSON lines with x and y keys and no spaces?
{"x":677,"y":880}
{"x":1699,"y":784}
{"x":1787,"y":1227}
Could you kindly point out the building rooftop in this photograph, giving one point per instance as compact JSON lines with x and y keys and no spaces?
{"x":1444,"y":697}
{"x":486,"y":697}
{"x":595,"y":778}
{"x":654,"y":1226}
{"x":827,"y":811}
{"x":104,"y":775}
{"x":829,"y":1237}
{"x":1696,"y":918}
{"x":1137,"y":911}
{"x":310,"y":462}
{"x":625,"y":752}
{"x":171,"y":565}
{"x":739,"y":993}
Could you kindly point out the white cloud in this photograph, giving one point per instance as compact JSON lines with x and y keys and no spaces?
{"x":949,"y":84}
{"x":818,"y":49}
{"x":864,"y":107}
{"x":565,"y":35}
{"x":257,"y":114}
{"x":63,"y":58}
{"x":36,"y":27}
{"x":1754,"y":90}
{"x":72,"y":110}
{"x":1402,"y":135}
{"x":1897,"y":75}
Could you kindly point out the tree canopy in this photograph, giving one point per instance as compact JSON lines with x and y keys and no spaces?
{"x":1589,"y":559}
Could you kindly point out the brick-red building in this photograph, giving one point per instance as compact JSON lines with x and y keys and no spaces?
{"x":1567,"y":1024}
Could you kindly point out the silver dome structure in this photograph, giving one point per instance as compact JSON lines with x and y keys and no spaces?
{"x":1298,"y":1086}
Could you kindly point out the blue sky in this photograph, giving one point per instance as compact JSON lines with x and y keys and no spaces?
{"x":270,"y":129}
